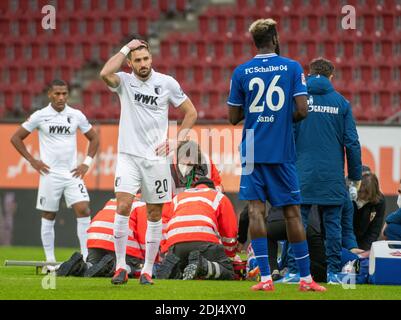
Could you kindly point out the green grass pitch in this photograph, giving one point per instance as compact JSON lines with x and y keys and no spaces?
{"x":22,"y":283}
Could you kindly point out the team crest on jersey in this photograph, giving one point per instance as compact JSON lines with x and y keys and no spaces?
{"x":310,"y":100}
{"x":69,"y":119}
{"x":158,"y":90}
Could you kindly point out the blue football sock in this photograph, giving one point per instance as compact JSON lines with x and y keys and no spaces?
{"x":259,"y":247}
{"x":301,"y":254}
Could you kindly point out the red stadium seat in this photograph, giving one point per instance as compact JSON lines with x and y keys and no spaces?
{"x":106,"y":97}
{"x":30,"y":73}
{"x":4,"y":6}
{"x":240,"y":27}
{"x":181,"y":5}
{"x":87,"y":97}
{"x":349,"y":47}
{"x":202,"y":62}
{"x":3,"y":55}
{"x":3,"y":111}
{"x":179,"y":71}
{"x":8,"y":99}
{"x":174,"y":113}
{"x":5,"y":23}
{"x":183,"y":42}
{"x":368,"y":23}
{"x":218,"y":47}
{"x":217,"y":72}
{"x":166,"y":47}
{"x":388,"y":22}
{"x":114,"y":112}
{"x":385,"y":73}
{"x":386,"y":49}
{"x":366,"y":73}
{"x":78,"y":5}
{"x":312,"y":22}
{"x":22,"y":7}
{"x":367,"y":47}
{"x":163,"y":5}
{"x":26,"y":100}
{"x":201,"y":47}
{"x":238,"y":48}
{"x":204,"y":23}
{"x":195,"y":95}
{"x":385,"y":107}
{"x":199,"y":72}
{"x":222,"y":17}
{"x":62,"y":5}
{"x":106,"y":46}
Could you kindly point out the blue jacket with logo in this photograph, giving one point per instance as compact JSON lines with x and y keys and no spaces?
{"x":323,"y":140}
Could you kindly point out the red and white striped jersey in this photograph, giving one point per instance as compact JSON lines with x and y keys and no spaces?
{"x":202,"y":214}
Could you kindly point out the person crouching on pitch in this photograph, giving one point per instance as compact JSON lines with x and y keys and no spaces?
{"x":201,"y":235}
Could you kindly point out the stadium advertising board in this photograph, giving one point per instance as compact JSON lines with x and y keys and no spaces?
{"x":381,"y":149}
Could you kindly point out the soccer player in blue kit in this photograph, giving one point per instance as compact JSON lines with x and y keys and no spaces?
{"x":263,"y":91}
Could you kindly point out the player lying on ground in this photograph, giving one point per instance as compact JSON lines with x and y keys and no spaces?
{"x":101,"y":258}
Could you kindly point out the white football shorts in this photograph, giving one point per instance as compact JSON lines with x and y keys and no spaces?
{"x":52,"y":186}
{"x":152,"y":177}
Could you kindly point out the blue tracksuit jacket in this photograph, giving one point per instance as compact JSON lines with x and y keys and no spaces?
{"x":322,"y":141}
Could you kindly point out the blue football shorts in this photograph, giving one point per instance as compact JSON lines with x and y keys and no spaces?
{"x":276,"y":183}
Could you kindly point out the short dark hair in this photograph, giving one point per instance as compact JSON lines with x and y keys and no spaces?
{"x":322,"y":67}
{"x":263,"y":32}
{"x":58,"y":82}
{"x":144,"y":46}
{"x":205,"y":181}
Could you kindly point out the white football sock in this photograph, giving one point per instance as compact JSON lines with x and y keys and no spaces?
{"x":47,"y":236}
{"x":266,"y":278}
{"x":307,"y":279}
{"x":82,"y":228}
{"x":153,"y":238}
{"x":120,"y":239}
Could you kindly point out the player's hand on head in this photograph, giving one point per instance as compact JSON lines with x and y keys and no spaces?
{"x":135,"y":43}
{"x":40,"y":166}
{"x":80,"y":171}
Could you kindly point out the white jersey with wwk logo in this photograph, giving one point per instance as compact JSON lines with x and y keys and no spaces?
{"x":144,"y":112}
{"x":57,"y":136}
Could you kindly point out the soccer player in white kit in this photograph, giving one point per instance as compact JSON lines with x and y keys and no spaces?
{"x":141,"y":164}
{"x":59,"y":174}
